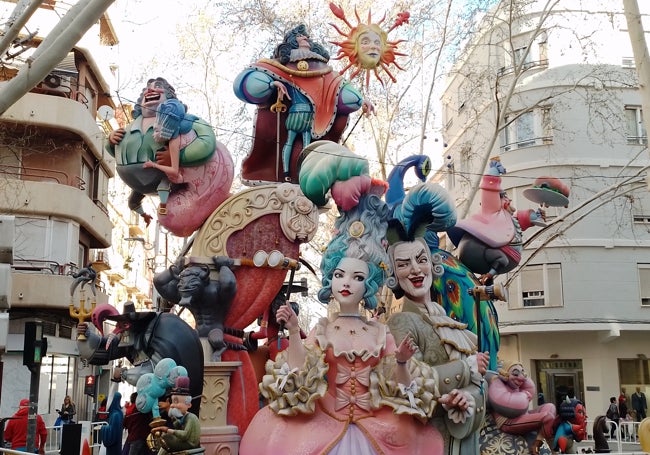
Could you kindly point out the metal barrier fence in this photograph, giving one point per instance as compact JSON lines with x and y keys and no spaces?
{"x":625,"y":440}
{"x":53,"y":443}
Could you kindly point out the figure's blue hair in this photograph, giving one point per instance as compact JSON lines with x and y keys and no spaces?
{"x":175,"y":117}
{"x":369,"y":246}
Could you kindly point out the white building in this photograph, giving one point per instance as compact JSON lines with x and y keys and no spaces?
{"x":579,"y":310}
{"x":65,"y":209}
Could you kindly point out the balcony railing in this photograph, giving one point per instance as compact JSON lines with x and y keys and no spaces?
{"x":44,"y":267}
{"x":35,"y":174}
{"x":524,"y":143}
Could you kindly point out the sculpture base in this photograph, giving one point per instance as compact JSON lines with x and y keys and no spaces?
{"x":220,"y":440}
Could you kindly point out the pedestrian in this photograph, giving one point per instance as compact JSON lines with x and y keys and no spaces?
{"x":129,"y":406}
{"x":137,"y":426}
{"x":112,"y":433}
{"x":102,"y":413}
{"x":623,"y":414}
{"x":68,"y":410}
{"x":613,"y":415}
{"x":639,"y":404}
{"x":16,"y":430}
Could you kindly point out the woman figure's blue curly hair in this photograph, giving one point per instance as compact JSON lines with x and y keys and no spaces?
{"x":369,"y":246}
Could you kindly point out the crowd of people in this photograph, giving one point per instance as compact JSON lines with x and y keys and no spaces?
{"x":625,"y":416}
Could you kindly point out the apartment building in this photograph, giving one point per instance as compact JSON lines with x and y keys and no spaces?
{"x":57,"y":216}
{"x":555,"y":93}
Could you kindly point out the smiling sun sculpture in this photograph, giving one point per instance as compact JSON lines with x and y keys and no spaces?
{"x":366,"y":45}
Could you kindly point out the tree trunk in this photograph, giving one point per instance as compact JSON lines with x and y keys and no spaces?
{"x":640,"y":49}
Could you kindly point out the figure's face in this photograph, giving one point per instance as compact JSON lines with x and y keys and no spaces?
{"x":348,"y":281}
{"x":152,"y":97}
{"x":303,"y":42}
{"x":369,"y":49}
{"x":581,"y":415}
{"x":179,"y":407}
{"x":516,"y":376}
{"x":412,"y":265}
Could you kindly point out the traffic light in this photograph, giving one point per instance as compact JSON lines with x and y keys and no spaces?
{"x":89,"y":386}
{"x":35,"y":345}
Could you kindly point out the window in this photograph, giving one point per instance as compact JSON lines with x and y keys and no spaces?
{"x":86,"y":183}
{"x":522,"y":56}
{"x":41,"y":240}
{"x":449,"y":118}
{"x":633,"y":372}
{"x":635,"y":130}
{"x":533,"y":298}
{"x":539,"y":286}
{"x":462,"y":95}
{"x":524,"y":51}
{"x":527,"y":129}
{"x":628,"y":62}
{"x":57,"y":372}
{"x":644,"y":284}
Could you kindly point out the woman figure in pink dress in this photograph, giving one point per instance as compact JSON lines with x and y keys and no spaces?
{"x":347,"y":388}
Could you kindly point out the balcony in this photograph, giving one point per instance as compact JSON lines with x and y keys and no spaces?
{"x":59,"y":112}
{"x":46,"y":285}
{"x":50,"y":199}
{"x":100,"y":261}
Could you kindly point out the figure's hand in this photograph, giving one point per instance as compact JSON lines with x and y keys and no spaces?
{"x":286,"y":314}
{"x":82,"y":328}
{"x":117,"y":374}
{"x":223,"y":261}
{"x":116,"y":136}
{"x":486,"y":279}
{"x":282,"y":90}
{"x":163,"y":158}
{"x":455,"y":399}
{"x":482,"y":361}
{"x":368,"y":108}
{"x":161,"y":429}
{"x":406,"y":349}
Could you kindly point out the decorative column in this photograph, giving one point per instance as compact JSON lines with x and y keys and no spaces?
{"x":217,"y":437}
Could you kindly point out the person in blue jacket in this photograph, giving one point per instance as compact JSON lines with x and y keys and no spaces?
{"x":111,"y":434}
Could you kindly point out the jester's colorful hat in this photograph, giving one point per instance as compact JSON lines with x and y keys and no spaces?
{"x":426,"y":210}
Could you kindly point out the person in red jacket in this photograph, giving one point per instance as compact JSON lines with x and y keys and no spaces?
{"x":16,"y":429}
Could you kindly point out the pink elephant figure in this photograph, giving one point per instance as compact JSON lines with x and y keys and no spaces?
{"x":509,"y":397}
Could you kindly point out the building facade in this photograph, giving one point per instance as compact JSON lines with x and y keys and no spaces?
{"x":555,"y":93}
{"x":61,"y":210}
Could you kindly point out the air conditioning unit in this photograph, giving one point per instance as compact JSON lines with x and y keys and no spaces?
{"x":57,"y":83}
